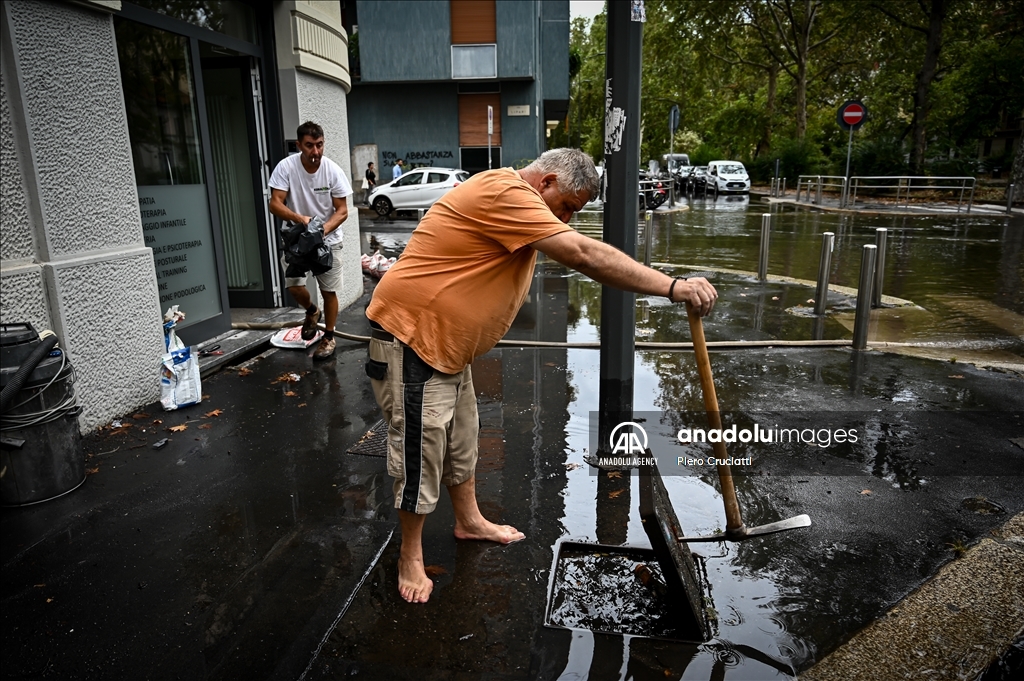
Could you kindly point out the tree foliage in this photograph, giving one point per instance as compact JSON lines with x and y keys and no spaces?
{"x":758,"y":80}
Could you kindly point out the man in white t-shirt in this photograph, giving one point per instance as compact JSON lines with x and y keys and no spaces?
{"x":303,"y":186}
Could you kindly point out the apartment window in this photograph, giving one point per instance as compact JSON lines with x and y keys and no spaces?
{"x":474,"y":61}
{"x":474,"y":39}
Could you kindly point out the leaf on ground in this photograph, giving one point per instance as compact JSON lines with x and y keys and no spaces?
{"x":302,"y":404}
{"x":287,"y":377}
{"x":866,"y":492}
{"x":157,"y":422}
{"x":178,"y":429}
{"x":614,"y":474}
{"x":957,"y":376}
{"x":92,"y":471}
{"x":244,"y":371}
{"x":205,"y":397}
{"x":215,"y":412}
{"x":140,"y":415}
{"x":614,"y":494}
{"x":290,"y":393}
{"x":206,"y":426}
{"x":434,"y":570}
{"x":550,"y":364}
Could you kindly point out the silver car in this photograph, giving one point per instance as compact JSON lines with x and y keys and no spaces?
{"x":418,"y":188}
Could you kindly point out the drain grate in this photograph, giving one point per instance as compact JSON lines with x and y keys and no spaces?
{"x":374,"y":442}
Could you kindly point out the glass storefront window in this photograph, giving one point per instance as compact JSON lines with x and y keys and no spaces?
{"x":230,"y":17}
{"x":163,"y":127}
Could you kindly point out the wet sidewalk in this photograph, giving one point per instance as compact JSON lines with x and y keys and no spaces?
{"x":252,"y":545}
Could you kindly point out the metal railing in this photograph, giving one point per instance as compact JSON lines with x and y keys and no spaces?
{"x":904,"y":184}
{"x":815,"y":184}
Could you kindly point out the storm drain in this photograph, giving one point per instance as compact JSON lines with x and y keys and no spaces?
{"x":374,"y":442}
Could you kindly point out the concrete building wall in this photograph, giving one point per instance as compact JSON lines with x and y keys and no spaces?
{"x":555,"y":49}
{"x":88,"y":274}
{"x":517,"y":38}
{"x":520,"y":135}
{"x":405,"y":40}
{"x":419,"y":123}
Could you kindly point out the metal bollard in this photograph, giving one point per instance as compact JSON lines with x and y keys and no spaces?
{"x":1009,"y":199}
{"x":762,"y":258}
{"x":783,"y":187}
{"x":867,"y":275}
{"x":828,"y":240}
{"x":817,"y":193}
{"x":876,"y":291}
{"x":648,"y":222}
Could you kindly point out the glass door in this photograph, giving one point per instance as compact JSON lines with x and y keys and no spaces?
{"x":232,"y":113}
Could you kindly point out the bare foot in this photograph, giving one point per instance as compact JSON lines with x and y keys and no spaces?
{"x":485,"y":530}
{"x":413,"y":583}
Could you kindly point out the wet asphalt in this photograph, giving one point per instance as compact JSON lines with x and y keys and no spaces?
{"x":253,"y":546}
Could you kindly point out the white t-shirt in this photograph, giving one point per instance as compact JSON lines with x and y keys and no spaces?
{"x":310,"y":194}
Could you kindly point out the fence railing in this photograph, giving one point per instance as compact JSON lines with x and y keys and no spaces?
{"x":815,"y":184}
{"x":905,"y":184}
{"x":899,"y":185}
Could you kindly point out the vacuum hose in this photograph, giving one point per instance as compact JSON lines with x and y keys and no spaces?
{"x":17,"y":381}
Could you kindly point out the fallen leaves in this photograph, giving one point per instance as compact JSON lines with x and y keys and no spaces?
{"x":178,"y":429}
{"x":215,"y":412}
{"x":615,"y":493}
{"x":614,"y":474}
{"x":302,"y":404}
{"x":434,"y":570}
{"x":290,"y":393}
{"x":957,"y":376}
{"x":206,"y":426}
{"x":866,"y":492}
{"x":140,"y":416}
{"x":287,"y":377}
{"x":157,"y":422}
{"x":244,"y":371}
{"x":92,"y":471}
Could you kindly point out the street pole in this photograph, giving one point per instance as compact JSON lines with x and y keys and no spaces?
{"x":849,"y":150}
{"x":622,"y":162}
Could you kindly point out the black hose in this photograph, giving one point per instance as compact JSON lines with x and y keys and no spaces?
{"x":14,"y":386}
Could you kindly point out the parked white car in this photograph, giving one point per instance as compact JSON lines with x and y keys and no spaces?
{"x":418,"y":188}
{"x":728,"y":176}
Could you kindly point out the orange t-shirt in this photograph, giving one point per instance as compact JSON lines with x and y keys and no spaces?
{"x":466,"y":271}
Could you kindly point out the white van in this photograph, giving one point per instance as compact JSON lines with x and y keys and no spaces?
{"x":728,"y":176}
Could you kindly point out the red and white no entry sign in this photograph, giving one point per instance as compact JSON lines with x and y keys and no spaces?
{"x":852,"y":115}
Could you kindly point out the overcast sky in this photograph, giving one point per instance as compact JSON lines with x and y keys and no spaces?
{"x":585,"y":8}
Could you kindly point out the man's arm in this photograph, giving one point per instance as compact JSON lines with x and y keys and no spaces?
{"x":278,"y":208}
{"x":612,"y":267}
{"x":339,"y":216}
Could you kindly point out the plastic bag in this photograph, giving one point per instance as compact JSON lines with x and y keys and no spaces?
{"x":292,"y":338}
{"x":180,"y":384}
{"x":376,"y":265}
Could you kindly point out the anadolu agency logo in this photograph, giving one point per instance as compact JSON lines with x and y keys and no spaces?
{"x":628,"y":442}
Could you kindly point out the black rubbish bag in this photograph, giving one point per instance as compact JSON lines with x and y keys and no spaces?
{"x":305,"y":249}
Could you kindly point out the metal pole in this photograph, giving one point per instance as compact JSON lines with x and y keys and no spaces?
{"x":849,"y":150}
{"x":970,"y":202}
{"x":622,"y":163}
{"x":648,"y":223}
{"x":1009,"y":199}
{"x":817,"y":192}
{"x":828,"y":240}
{"x":783,"y":187}
{"x":876,"y":292}
{"x":860,"y":322}
{"x":762,"y":258}
{"x":671,"y":175}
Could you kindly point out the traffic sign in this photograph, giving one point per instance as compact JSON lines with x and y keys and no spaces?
{"x":673,"y":119}
{"x":852,"y":115}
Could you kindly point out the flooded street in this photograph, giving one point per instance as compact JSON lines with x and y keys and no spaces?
{"x":886,"y":511}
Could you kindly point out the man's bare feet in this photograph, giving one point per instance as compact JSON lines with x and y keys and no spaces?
{"x":485,"y":530}
{"x":413,"y":583}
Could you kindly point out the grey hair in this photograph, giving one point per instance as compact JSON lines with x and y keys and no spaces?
{"x":575,"y":170}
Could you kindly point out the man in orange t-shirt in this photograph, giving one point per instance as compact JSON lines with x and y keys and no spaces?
{"x":450,"y":297}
